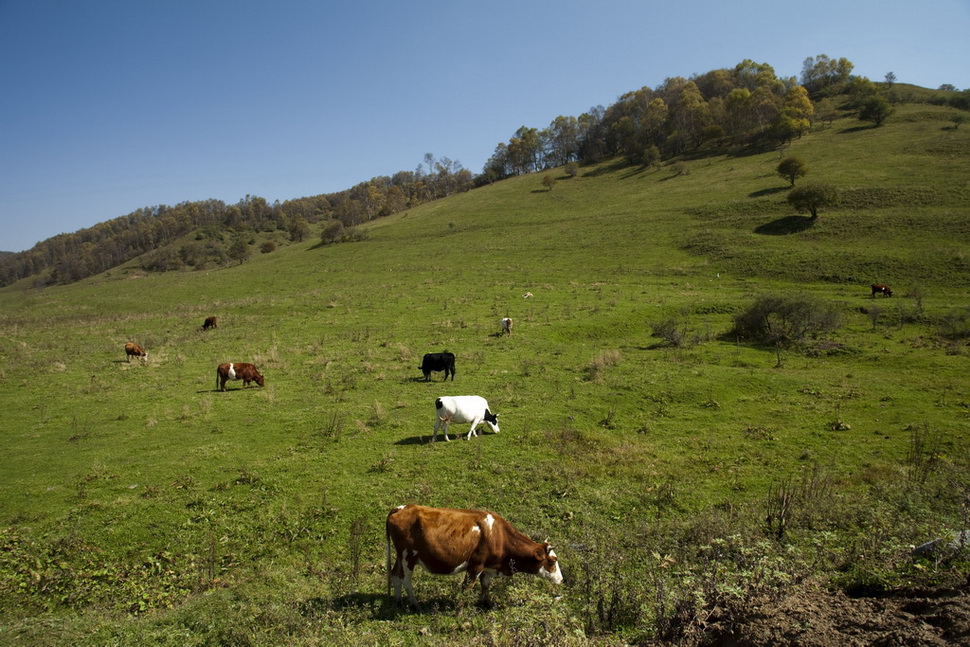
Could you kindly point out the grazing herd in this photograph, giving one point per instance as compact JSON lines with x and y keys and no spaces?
{"x":444,"y":541}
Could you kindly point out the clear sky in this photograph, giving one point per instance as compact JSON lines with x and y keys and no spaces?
{"x":107,"y":106}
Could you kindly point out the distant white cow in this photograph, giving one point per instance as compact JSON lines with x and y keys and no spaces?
{"x":462,"y":408}
{"x":507,"y":325}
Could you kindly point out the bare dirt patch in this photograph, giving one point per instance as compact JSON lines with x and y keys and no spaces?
{"x":819,"y":618}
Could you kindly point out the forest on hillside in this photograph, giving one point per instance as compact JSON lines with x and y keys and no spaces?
{"x":729,"y":110}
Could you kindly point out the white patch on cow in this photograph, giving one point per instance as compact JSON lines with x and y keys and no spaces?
{"x":489,"y":520}
{"x":461,"y":568}
{"x":476,"y":529}
{"x":401,"y":507}
{"x":555,"y":575}
{"x":232,"y":371}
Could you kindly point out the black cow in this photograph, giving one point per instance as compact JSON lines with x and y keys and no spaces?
{"x":438,"y":362}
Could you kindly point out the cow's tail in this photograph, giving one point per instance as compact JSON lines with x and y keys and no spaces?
{"x":387,"y":557}
{"x":217,"y":377}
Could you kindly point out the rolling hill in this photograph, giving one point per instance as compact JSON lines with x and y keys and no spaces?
{"x":681,"y":478}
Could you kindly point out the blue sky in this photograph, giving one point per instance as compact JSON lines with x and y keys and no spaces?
{"x":107,"y":106}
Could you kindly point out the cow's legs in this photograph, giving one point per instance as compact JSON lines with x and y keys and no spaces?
{"x":440,"y":422}
{"x":475,"y":423}
{"x":408,"y":572}
{"x":486,"y":580}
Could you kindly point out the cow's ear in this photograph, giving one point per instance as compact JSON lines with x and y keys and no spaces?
{"x":540,"y":552}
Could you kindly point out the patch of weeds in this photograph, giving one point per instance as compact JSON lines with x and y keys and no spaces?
{"x":383,"y":465}
{"x":924,"y":453}
{"x":596,"y":369}
{"x":609,"y":422}
{"x":333,"y":427}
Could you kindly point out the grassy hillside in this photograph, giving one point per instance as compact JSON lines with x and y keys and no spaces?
{"x":141,"y":505}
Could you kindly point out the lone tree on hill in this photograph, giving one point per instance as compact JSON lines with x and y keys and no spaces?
{"x":875,"y":109}
{"x":791,"y":168}
{"x":813,"y":197}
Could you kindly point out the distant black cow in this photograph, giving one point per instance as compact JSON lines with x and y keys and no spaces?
{"x":210,"y":322}
{"x":438,"y":362}
{"x":879,"y":288}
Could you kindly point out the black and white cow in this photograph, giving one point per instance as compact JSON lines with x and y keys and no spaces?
{"x":462,"y":408}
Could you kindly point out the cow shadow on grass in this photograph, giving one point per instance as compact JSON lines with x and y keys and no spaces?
{"x":378,"y":605}
{"x":785,"y":226}
{"x":414,"y":440}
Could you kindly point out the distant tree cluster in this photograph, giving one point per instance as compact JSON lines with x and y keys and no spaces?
{"x":224,"y":232}
{"x":744,"y":105}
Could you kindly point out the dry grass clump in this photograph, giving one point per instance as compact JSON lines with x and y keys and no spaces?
{"x":596,"y":369}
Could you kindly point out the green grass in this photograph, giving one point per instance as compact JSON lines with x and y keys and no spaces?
{"x":141,"y":505}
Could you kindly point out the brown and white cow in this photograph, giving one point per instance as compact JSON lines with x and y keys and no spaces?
{"x":479,"y":543}
{"x":237,"y":371}
{"x":507,"y":325}
{"x":881,"y":289}
{"x":134,"y":350}
{"x":210,"y":322}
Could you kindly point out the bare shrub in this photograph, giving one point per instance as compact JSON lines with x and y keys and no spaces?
{"x":678,"y":332}
{"x":925,"y":449}
{"x":780,"y":320}
{"x":778,"y":507}
{"x":955,"y":325}
{"x":356,"y":542}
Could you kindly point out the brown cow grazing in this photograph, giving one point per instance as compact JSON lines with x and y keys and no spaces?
{"x":446,"y":542}
{"x":881,"y":289}
{"x":237,"y":371}
{"x":507,"y":325}
{"x":210,"y":322}
{"x":133,"y":349}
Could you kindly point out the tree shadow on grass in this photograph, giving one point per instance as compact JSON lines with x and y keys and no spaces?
{"x":785,"y":226}
{"x":771,"y":191}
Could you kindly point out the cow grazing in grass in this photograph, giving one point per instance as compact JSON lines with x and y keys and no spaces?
{"x":507,"y":325}
{"x":237,"y":371}
{"x":479,"y":543}
{"x":443,"y":361}
{"x":210,"y":322}
{"x":134,"y":350}
{"x":462,"y":408}
{"x":881,"y":289}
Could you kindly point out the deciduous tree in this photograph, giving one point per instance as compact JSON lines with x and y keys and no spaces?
{"x":791,"y":168}
{"x":813,"y":197}
{"x":875,"y":109}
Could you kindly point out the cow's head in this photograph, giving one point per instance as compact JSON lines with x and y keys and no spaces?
{"x":259,"y":379}
{"x":491,"y":419}
{"x":548,"y":563}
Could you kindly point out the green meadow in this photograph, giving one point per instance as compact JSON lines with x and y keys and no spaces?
{"x":140,"y":505}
